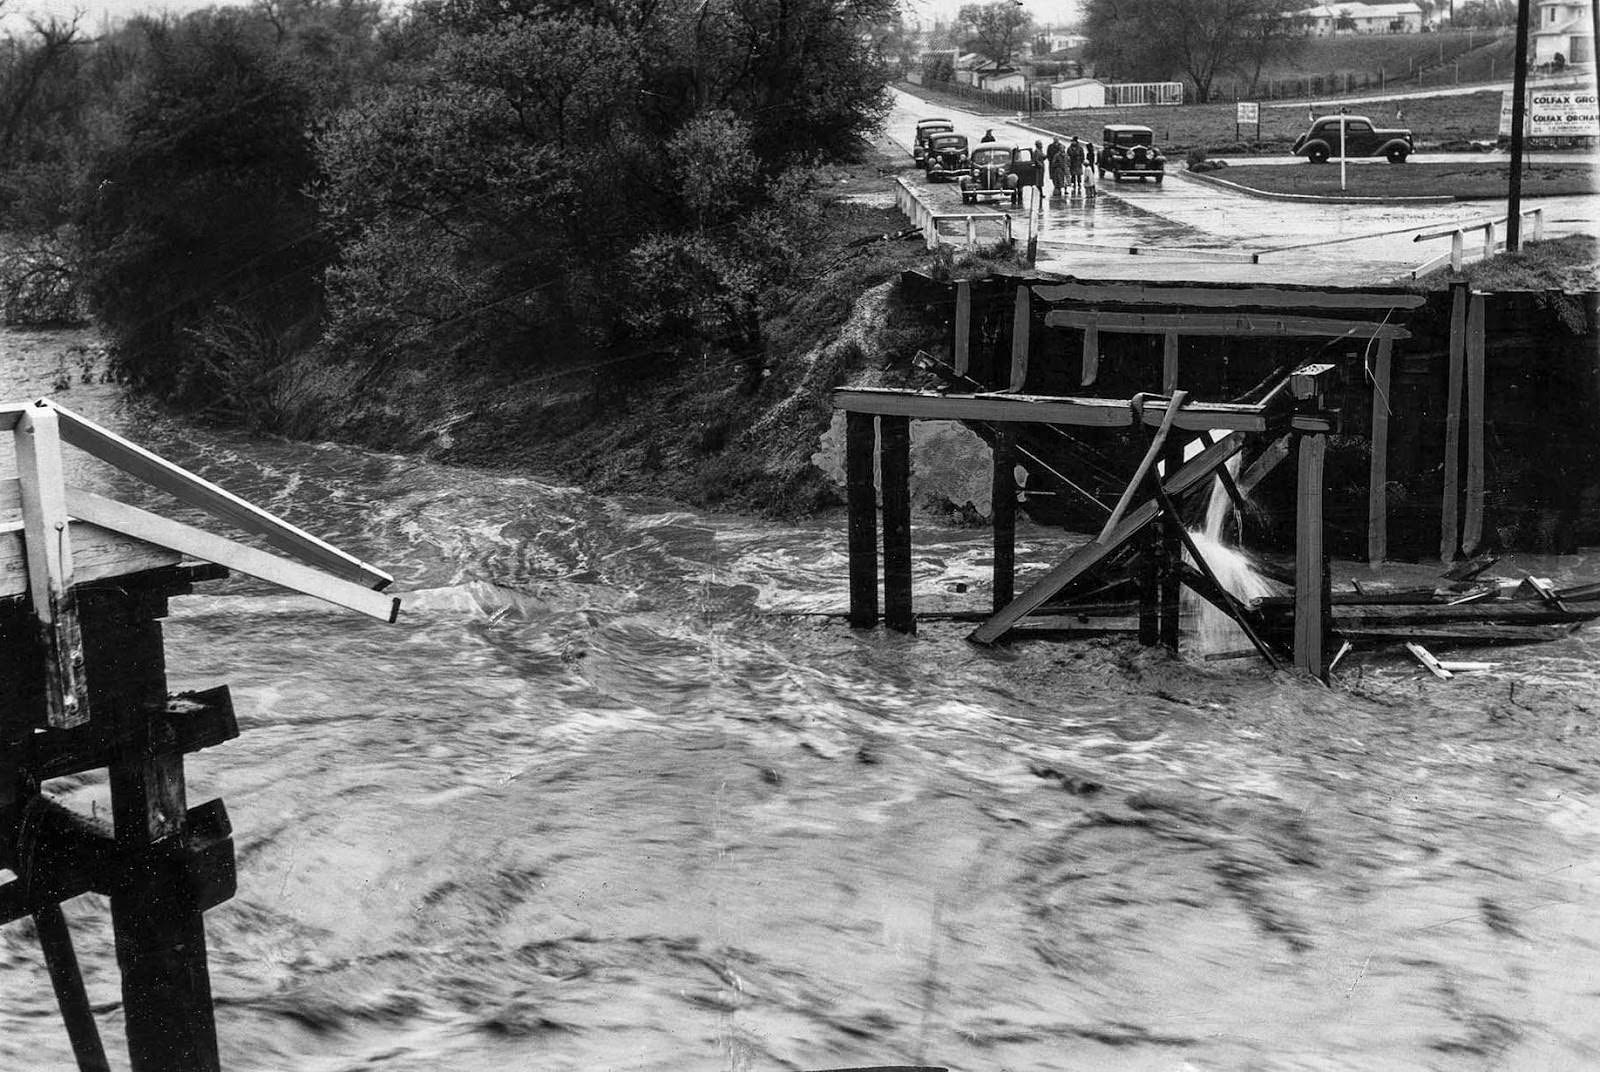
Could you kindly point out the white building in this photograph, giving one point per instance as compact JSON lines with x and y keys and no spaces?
{"x":1565,"y":27}
{"x":1329,"y":19}
{"x":1078,"y":93}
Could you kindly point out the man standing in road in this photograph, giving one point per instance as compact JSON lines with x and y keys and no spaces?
{"x":1057,"y":156}
{"x":988,"y":136}
{"x":1075,"y":164}
{"x":1038,"y":166}
{"x":1090,"y":180}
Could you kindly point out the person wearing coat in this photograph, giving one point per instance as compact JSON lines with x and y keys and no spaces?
{"x":1057,"y":157}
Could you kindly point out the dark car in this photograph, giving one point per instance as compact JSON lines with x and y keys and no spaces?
{"x":926,"y":128}
{"x":946,"y":157}
{"x":1363,"y":139}
{"x":989,"y":175}
{"x":1130,"y":150}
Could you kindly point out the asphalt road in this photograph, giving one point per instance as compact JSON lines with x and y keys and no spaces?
{"x":1187,"y":229}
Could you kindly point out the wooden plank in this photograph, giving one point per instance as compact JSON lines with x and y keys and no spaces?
{"x":1091,"y":554}
{"x":48,"y":549}
{"x":1425,"y":657}
{"x":1472,"y":517}
{"x":67,"y":981}
{"x":1003,"y":500}
{"x":1309,"y":559}
{"x":1265,"y":463}
{"x":861,"y":497}
{"x":1225,"y":324}
{"x":1226,"y":297}
{"x":963,"y":329}
{"x":1019,"y":341}
{"x":1091,"y":355}
{"x":1449,"y":527}
{"x":1169,"y":363}
{"x":1047,"y":409}
{"x":224,"y":505}
{"x":1378,"y":466}
{"x":1154,"y":451}
{"x":97,"y":553}
{"x":894,"y":467}
{"x":209,"y":547}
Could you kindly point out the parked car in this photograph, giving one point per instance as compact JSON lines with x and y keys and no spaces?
{"x":1322,"y":140}
{"x":1126,"y":149}
{"x":926,"y":128}
{"x":989,"y":176}
{"x":946,"y":157}
{"x":1027,"y":165}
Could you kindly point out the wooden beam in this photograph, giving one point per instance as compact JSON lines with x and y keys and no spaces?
{"x":1378,"y":467}
{"x":1225,"y":324}
{"x":224,"y":505}
{"x":1047,"y":409}
{"x":1310,"y":565}
{"x":1172,"y":537}
{"x":861,"y":497}
{"x":1169,"y":363}
{"x":10,"y":414}
{"x":1226,"y":297}
{"x":1155,"y":450}
{"x":894,"y":467}
{"x":1091,"y":355}
{"x":48,"y":539}
{"x":1265,"y":463}
{"x":67,"y":981}
{"x":1472,"y":519}
{"x":1449,"y":527}
{"x":1003,"y":512}
{"x":963,"y":327}
{"x":209,"y":547}
{"x":97,"y":553}
{"x":1019,"y":341}
{"x":1091,"y":554}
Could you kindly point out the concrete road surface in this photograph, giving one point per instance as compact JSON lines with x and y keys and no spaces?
{"x":1186,"y":229}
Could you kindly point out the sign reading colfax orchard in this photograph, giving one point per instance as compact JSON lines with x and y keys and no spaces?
{"x":1564,"y":113}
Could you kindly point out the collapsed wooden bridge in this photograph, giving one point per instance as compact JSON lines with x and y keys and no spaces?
{"x":84,"y":582}
{"x":1340,"y":335}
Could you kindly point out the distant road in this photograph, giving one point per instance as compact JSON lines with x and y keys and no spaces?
{"x":1437,"y":91}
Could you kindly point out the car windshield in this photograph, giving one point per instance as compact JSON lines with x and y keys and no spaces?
{"x":1023,"y":156}
{"x":948,"y":141}
{"x":988,"y":157}
{"x":1132,"y":137}
{"x":934,"y":128}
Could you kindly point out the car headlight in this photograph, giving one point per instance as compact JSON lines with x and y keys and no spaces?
{"x":1011,"y":180}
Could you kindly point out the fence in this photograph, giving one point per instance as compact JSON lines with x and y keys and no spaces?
{"x":924,"y":218}
{"x":1457,"y":233}
{"x":1133,"y":94}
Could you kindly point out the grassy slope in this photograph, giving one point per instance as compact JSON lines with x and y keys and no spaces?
{"x":1569,"y":264}
{"x":704,"y":431}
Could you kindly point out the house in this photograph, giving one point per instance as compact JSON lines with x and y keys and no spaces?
{"x":1327,"y":20}
{"x":1564,"y":28}
{"x":969,"y":65}
{"x":1058,"y":42}
{"x":1002,"y":79}
{"x":1078,"y":93}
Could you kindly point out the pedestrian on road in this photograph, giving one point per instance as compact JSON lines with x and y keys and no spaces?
{"x":1057,"y":157}
{"x":1090,"y":176}
{"x":988,"y":135}
{"x":1075,"y":164}
{"x":1038,"y":166}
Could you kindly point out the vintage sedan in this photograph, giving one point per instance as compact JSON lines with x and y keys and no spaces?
{"x":989,"y":176}
{"x":1361,"y":138}
{"x":946,"y":157}
{"x":926,"y":128}
{"x":1126,"y":149}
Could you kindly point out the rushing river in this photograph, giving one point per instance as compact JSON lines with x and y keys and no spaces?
{"x":613,"y":795}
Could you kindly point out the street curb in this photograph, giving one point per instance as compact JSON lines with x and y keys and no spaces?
{"x":1315,"y":199}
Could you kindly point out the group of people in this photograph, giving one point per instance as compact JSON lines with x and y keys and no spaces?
{"x":1071,"y":165}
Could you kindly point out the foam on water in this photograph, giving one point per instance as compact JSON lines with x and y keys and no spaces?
{"x":1213,"y":630}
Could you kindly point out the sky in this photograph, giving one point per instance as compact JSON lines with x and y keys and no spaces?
{"x":1056,"y":13}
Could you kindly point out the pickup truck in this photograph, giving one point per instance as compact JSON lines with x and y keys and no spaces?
{"x":1322,"y":140}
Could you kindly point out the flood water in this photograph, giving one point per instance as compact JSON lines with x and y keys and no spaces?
{"x":612,"y":795}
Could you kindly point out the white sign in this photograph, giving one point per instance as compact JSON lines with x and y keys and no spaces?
{"x":1249,"y":113}
{"x":1564,"y":113}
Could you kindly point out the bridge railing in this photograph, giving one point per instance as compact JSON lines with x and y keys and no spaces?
{"x":1457,"y":232}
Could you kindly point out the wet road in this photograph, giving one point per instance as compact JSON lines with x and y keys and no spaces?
{"x":1181,"y":226}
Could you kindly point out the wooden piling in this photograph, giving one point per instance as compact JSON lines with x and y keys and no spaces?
{"x":861,"y":497}
{"x":1169,"y":362}
{"x":894,"y":446}
{"x":1378,"y":470}
{"x":1171,"y":557}
{"x":1091,"y":354}
{"x":963,"y":340}
{"x":1449,"y":521}
{"x":1019,"y":340}
{"x":1150,"y":589}
{"x":67,"y":981}
{"x":1472,"y":518}
{"x":1003,"y":508}
{"x":1311,"y":606}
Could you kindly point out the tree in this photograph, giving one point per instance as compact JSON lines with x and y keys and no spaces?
{"x":1155,"y":39}
{"x":1000,"y":28}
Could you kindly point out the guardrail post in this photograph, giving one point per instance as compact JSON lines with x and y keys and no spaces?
{"x":1538,"y":224}
{"x":1457,"y":242}
{"x":1488,"y":240}
{"x":972,"y":232}
{"x":930,"y":229}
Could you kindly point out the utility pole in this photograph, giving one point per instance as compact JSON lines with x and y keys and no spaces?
{"x":1519,"y":110}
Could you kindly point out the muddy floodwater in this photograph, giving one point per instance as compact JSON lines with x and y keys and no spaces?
{"x":613,"y":795}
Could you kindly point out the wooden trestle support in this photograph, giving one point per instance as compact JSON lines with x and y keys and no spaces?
{"x":1152,"y":530}
{"x":84,"y":584}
